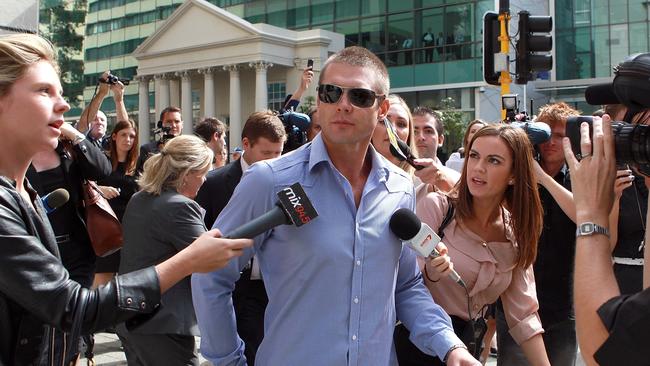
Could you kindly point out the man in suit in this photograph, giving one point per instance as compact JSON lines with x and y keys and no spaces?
{"x":263,"y":137}
{"x":213,"y":132}
{"x":170,"y":118}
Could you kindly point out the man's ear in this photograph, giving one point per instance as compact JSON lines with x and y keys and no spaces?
{"x":245,"y":143}
{"x":383,"y":109}
{"x":441,"y":140}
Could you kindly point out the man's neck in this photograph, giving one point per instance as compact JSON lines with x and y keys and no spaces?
{"x":552,"y":168}
{"x":354,"y":162}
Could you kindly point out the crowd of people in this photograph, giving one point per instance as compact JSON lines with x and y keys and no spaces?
{"x":544,"y":240}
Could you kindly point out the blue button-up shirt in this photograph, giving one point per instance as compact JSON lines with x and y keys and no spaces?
{"x":335,"y":285}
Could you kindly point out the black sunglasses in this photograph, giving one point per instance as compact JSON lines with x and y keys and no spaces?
{"x":358,"y":97}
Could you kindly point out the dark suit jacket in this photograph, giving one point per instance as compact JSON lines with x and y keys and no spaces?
{"x":156,"y":228}
{"x":146,"y":151}
{"x":217,"y":190}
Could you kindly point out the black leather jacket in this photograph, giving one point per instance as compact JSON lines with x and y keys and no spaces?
{"x":36,"y":294}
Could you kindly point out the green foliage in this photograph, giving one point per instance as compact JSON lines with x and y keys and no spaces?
{"x":455,"y":124}
{"x":306,"y":105}
{"x":62,"y":23}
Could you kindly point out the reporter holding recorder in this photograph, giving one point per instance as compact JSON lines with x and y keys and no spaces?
{"x":36,"y":293}
{"x":491,"y":239}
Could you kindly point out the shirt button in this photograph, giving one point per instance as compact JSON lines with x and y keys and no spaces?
{"x":358,"y":262}
{"x":356,"y":300}
{"x":23,"y":341}
{"x":354,"y":337}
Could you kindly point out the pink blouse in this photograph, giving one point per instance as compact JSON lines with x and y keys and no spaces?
{"x":488,"y":269}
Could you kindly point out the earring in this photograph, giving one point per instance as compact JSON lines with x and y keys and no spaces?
{"x":511,"y":182}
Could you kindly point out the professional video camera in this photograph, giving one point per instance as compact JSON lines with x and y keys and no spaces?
{"x":631,"y":88}
{"x":162,"y":134}
{"x":295,"y":125}
{"x":537,"y":132}
{"x":113,"y":79}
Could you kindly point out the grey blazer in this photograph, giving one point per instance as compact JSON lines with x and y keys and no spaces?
{"x":155,"y":228}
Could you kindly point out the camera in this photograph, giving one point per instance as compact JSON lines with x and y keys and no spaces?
{"x":295,"y":125}
{"x":163,"y":133}
{"x":631,"y":142}
{"x":113,"y":79}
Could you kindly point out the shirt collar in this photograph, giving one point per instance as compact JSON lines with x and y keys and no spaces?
{"x":244,"y":164}
{"x":318,"y":154}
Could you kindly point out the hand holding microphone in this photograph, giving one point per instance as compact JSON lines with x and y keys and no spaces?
{"x":421,"y":238}
{"x":439,"y":262}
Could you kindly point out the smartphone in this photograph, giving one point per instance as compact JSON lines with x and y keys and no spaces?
{"x":310,"y":64}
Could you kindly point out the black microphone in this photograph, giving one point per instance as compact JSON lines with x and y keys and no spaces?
{"x":293,"y":207}
{"x":55,"y":199}
{"x":419,"y":236}
{"x":537,"y":132}
{"x":404,"y":154}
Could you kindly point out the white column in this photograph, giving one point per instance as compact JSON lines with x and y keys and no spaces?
{"x":235,"y":126}
{"x":143,"y":109}
{"x":162,"y":87}
{"x":174,"y":91}
{"x":186,"y":102}
{"x":261,"y":95}
{"x":209,"y":100}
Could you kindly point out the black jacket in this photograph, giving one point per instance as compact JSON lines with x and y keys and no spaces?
{"x":215,"y":193}
{"x":36,"y":293}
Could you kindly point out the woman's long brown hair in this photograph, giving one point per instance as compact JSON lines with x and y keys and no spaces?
{"x":521,"y":198}
{"x":132,"y":155}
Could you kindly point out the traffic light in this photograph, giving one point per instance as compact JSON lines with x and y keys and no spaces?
{"x":491,"y":46}
{"x":533,"y":39}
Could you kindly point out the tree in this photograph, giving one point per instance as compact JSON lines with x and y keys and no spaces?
{"x":455,"y":124}
{"x":62,"y":23}
{"x":307,"y":104}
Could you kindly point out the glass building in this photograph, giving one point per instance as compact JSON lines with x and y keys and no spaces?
{"x":433,"y":48}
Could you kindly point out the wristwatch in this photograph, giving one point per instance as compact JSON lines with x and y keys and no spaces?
{"x":589,"y":228}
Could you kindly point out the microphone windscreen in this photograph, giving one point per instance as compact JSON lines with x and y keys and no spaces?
{"x":404,"y":224}
{"x":57,"y":198}
{"x":600,"y":94}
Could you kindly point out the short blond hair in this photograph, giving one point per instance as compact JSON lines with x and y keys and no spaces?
{"x":178,"y":157}
{"x":361,"y":57}
{"x":20,"y":51}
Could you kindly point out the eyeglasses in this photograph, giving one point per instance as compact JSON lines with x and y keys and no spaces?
{"x":358,"y":97}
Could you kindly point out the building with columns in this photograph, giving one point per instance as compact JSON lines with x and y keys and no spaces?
{"x":207,"y":59}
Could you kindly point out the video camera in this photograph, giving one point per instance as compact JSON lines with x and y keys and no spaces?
{"x":537,"y":132}
{"x":295,"y":125}
{"x":631,"y":88}
{"x":162,"y":134}
{"x":114,"y":79}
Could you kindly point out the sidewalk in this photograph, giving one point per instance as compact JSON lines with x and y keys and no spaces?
{"x":108,"y":352}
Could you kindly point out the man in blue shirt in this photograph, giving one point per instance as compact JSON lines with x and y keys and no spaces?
{"x":337,"y":285}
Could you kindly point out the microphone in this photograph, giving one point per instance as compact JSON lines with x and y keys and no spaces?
{"x":55,"y":199}
{"x":293,"y":207}
{"x":537,"y":132}
{"x":404,"y":154}
{"x":419,"y":236}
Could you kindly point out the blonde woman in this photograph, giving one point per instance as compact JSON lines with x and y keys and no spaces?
{"x":160,"y":221}
{"x":399,"y":114}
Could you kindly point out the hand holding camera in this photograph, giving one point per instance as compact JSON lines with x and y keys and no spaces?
{"x":592,"y":176}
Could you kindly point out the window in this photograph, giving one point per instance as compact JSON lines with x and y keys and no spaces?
{"x":276,"y":92}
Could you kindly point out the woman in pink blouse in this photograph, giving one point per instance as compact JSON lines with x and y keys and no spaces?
{"x":492,"y":239}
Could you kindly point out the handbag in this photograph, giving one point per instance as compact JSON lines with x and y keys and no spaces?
{"x":473,"y":334}
{"x":104,"y":229}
